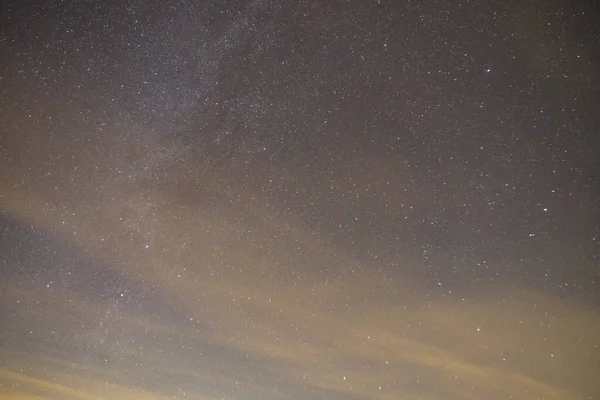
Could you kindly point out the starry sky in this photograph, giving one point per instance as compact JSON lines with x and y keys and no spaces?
{"x":313,"y":199}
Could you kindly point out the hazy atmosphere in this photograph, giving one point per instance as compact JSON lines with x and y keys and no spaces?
{"x":244,"y":200}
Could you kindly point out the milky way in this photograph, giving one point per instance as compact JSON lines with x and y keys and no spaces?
{"x":299,"y":200}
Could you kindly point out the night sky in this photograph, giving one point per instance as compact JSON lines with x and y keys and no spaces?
{"x":313,"y":199}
